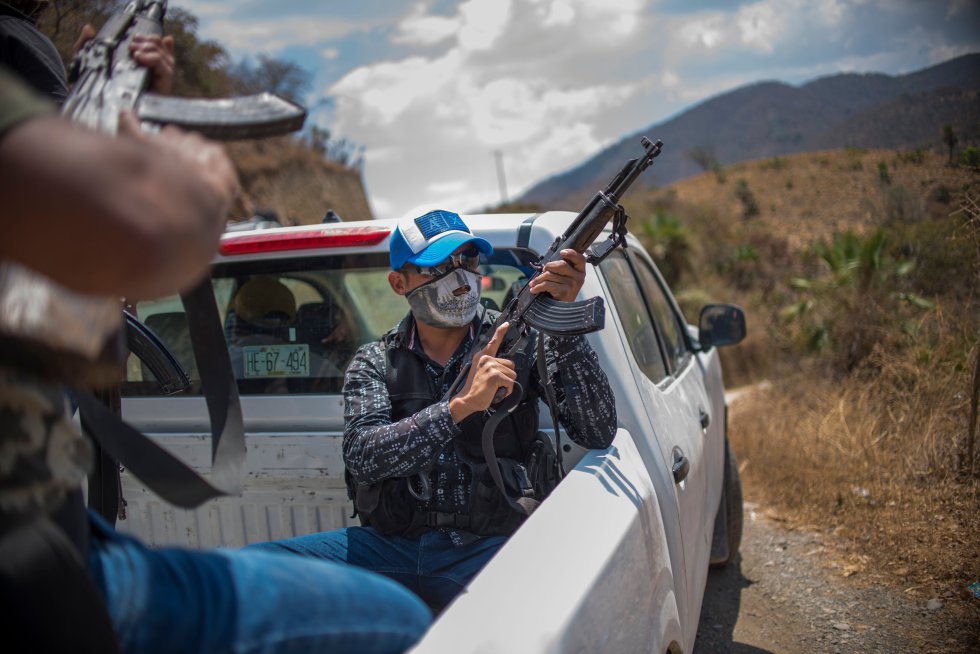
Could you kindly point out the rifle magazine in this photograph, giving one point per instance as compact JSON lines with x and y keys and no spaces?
{"x":557,"y":318}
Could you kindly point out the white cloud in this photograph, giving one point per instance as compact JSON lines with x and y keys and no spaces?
{"x":420,"y":29}
{"x":550,"y":82}
{"x":271,"y":35}
{"x":623,"y":15}
{"x":330,"y":53}
{"x":759,"y":26}
{"x":506,"y":81}
{"x":383,"y":92}
{"x":618,"y":16}
{"x":830,"y":11}
{"x":447,"y":187}
{"x":707,"y":32}
{"x":561,"y":12}
{"x":482,"y":23}
{"x":477,"y":25}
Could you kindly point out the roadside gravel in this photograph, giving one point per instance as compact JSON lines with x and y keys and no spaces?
{"x":792,"y":592}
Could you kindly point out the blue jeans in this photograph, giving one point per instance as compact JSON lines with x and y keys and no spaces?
{"x":178,"y":600}
{"x":431,"y":566}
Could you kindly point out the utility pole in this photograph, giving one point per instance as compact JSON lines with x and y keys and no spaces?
{"x":501,"y":180}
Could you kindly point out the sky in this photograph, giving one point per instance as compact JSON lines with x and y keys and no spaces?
{"x":464,"y":103}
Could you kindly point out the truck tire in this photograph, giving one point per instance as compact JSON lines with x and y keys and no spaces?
{"x":730,"y":516}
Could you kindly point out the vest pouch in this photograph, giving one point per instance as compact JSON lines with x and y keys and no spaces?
{"x":542,"y":466}
{"x":395,"y":509}
{"x":490,"y":513}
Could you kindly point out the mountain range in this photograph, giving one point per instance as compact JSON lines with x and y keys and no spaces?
{"x":767,"y":119}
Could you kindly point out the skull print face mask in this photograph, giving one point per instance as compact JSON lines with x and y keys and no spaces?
{"x":435,"y":303}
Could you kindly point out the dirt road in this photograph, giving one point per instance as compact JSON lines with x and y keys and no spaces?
{"x":791,"y":592}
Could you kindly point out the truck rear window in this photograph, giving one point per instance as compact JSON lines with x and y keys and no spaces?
{"x":293,"y":325}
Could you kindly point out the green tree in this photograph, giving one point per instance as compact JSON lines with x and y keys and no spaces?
{"x":272,"y":75}
{"x":705,"y":158}
{"x":63,"y":21}
{"x":950,"y":139}
{"x":750,"y":206}
{"x":667,"y":240}
{"x":202,"y":68}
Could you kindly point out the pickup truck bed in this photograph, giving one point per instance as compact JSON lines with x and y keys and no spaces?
{"x":614,"y":560}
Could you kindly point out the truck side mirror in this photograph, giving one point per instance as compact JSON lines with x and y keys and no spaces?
{"x":721,"y":324}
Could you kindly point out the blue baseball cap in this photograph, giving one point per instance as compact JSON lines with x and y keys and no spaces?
{"x":429,"y":239}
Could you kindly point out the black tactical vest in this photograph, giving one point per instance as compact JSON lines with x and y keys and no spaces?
{"x":526,"y":457}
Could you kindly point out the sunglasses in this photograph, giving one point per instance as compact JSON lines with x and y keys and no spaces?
{"x":468,"y":259}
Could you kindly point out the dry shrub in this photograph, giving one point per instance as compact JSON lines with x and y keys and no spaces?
{"x":283,"y":174}
{"x":748,"y":361}
{"x":875,"y":458}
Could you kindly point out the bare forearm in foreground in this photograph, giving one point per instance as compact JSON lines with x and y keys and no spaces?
{"x":138,"y":215}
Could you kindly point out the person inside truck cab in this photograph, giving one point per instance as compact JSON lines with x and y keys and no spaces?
{"x":139,"y":215}
{"x":264,"y":312}
{"x":261,"y":313}
{"x":431,"y":514}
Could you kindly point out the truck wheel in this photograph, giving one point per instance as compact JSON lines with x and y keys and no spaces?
{"x":731,"y":506}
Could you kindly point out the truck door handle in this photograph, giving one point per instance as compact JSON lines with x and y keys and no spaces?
{"x":681,"y":466}
{"x":705,"y":418}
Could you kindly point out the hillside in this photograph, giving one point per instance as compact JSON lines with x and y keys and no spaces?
{"x":806,"y":197}
{"x":300,"y":185}
{"x":859,"y":272}
{"x":772,"y":118}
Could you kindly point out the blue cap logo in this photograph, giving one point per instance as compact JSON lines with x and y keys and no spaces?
{"x":429,"y":239}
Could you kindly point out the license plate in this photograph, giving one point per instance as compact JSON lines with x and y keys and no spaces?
{"x":277,"y":360}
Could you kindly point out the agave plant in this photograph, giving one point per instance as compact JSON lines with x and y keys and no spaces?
{"x":861,"y":281}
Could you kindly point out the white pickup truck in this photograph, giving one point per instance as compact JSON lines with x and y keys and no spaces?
{"x":615,"y":560}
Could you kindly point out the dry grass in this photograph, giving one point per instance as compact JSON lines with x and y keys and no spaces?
{"x":807,"y":197}
{"x":875,"y":460}
{"x":861,"y":434}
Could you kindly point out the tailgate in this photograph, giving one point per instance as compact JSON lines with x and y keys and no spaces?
{"x":294,"y":482}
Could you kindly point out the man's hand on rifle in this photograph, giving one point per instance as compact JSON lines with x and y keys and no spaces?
{"x":561,"y":279}
{"x":488,"y":375}
{"x":157,"y":54}
{"x":153,"y":52}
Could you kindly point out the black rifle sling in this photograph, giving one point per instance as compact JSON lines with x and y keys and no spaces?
{"x":104,"y":484}
{"x":162,"y":472}
{"x":524,"y":505}
{"x":552,"y":403}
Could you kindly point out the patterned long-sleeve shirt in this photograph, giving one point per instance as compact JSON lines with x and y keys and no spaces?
{"x":375,"y":448}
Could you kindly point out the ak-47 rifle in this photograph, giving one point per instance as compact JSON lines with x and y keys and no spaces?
{"x":77,"y":338}
{"x":549,"y":316}
{"x":84,"y":349}
{"x":106,"y":80}
{"x":556,"y":318}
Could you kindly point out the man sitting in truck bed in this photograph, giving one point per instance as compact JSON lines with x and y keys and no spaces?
{"x":432,"y":514}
